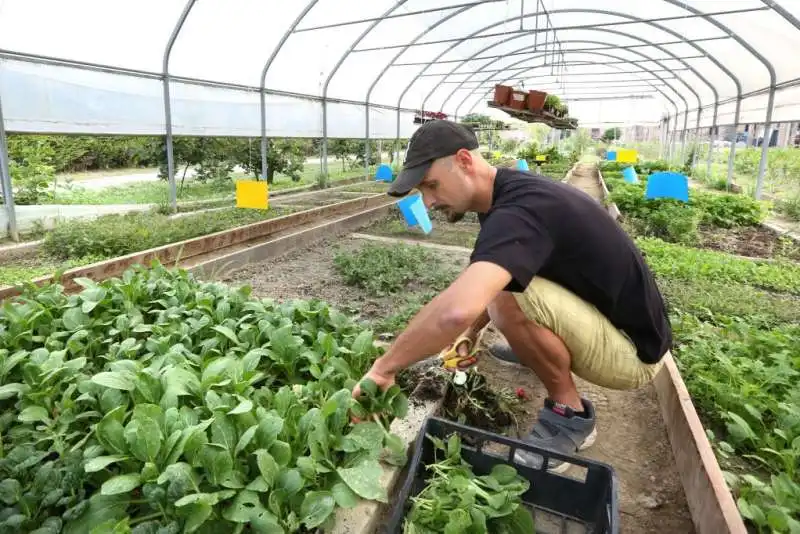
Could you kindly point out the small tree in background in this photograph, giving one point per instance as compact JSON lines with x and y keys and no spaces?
{"x":612,"y":134}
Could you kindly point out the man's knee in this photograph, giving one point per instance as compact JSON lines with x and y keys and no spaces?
{"x":506,"y":313}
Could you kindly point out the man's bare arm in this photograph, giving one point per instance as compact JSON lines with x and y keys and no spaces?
{"x":460,"y":306}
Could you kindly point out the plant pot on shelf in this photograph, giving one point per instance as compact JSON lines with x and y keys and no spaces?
{"x":502,"y":94}
{"x":536,"y":100}
{"x":519,"y":100}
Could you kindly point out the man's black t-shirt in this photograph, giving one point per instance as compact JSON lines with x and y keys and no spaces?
{"x":539,"y":227}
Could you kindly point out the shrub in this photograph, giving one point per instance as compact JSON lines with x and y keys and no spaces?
{"x":116,"y":235}
{"x":727,"y":211}
{"x":790,"y":207}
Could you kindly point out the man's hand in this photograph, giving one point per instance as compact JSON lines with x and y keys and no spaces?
{"x":382,"y":379}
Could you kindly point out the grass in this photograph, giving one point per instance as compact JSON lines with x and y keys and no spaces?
{"x":20,"y":273}
{"x":408,"y":276}
{"x":115,"y":235}
{"x":158,"y":192}
{"x":94,"y":175}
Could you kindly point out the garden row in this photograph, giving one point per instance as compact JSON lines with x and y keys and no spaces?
{"x":80,"y":242}
{"x":735,"y":321}
{"x":736,"y":336}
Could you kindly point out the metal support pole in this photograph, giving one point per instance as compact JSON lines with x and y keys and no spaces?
{"x":397,"y":141}
{"x":366,"y":138}
{"x":732,"y":155}
{"x":5,"y":181}
{"x":711,"y":140}
{"x":696,"y":139}
{"x":683,"y":134}
{"x":173,"y":193}
{"x":264,"y":147}
{"x":762,"y":165}
{"x":323,"y":178}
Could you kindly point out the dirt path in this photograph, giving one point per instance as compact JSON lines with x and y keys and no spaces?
{"x":584,"y":177}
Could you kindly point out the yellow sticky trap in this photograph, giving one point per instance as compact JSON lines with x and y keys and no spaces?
{"x":627,"y":155}
{"x":541,"y":157}
{"x":252,"y":194}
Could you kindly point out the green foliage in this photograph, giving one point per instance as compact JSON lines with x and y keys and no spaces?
{"x":677,"y":221}
{"x":744,"y":379}
{"x":611,"y":134}
{"x":384,"y":270}
{"x":456,"y":500}
{"x":790,"y":207}
{"x":155,"y":403}
{"x":529,"y":151}
{"x":708,"y":298}
{"x":116,"y":235}
{"x":31,"y":172}
{"x":75,"y":153}
{"x":685,"y":263}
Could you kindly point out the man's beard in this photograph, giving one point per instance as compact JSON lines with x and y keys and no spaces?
{"x":453,"y":216}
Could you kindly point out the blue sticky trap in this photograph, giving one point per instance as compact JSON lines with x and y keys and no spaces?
{"x":629,"y":174}
{"x":611,"y":155}
{"x":522,"y":165}
{"x":415,"y":213}
{"x":667,"y":184}
{"x":384,"y":173}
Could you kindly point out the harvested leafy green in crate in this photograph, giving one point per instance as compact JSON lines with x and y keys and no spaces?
{"x":155,"y":404}
{"x":457,"y":501}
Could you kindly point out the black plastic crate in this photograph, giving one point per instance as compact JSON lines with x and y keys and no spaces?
{"x":584,"y":502}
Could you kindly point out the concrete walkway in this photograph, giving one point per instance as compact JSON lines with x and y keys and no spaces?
{"x":29,"y":216}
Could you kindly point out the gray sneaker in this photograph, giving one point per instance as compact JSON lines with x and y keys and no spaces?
{"x":503,"y":354}
{"x":560,"y":430}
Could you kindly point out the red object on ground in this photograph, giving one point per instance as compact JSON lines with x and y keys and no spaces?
{"x":521,"y":393}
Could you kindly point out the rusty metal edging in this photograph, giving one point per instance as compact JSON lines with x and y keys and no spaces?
{"x":189,"y":248}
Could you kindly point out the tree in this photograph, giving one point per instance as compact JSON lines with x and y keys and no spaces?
{"x":612,"y":134}
{"x":285,"y":156}
{"x":343,"y":150}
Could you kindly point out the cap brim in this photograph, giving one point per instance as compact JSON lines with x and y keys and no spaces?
{"x":407,"y":180}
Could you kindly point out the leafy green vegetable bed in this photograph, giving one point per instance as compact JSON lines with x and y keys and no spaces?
{"x":155,"y":404}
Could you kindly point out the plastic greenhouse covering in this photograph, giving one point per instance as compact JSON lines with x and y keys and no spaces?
{"x":98,"y":67}
{"x":357,"y":69}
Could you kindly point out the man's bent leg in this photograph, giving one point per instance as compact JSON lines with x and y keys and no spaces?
{"x":567,"y":422}
{"x":537,"y":348}
{"x":600,"y":353}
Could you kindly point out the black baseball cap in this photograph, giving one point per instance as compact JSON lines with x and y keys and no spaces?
{"x":433,"y":140}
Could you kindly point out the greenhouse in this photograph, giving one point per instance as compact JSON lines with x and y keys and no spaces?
{"x":158,"y":156}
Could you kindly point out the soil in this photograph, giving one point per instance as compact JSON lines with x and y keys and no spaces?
{"x":631,"y":438}
{"x":754,"y":242}
{"x":460,"y":234}
{"x":310,"y":274}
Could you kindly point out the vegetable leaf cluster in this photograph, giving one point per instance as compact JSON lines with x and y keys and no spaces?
{"x":455,"y":500}
{"x":156,"y":404}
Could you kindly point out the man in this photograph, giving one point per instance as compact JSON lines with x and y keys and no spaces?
{"x":560,"y":279}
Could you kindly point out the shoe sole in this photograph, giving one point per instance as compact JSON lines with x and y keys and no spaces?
{"x":588,"y":442}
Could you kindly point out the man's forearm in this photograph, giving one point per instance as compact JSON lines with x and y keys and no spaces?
{"x":479,"y":324}
{"x":452,"y":312}
{"x":426,"y":334}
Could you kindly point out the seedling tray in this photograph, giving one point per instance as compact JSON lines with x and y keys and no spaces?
{"x":581,"y":500}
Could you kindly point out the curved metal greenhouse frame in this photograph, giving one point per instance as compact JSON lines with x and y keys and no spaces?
{"x":316,"y":70}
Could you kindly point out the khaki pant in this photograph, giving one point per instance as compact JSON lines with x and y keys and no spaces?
{"x":601,"y":353}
